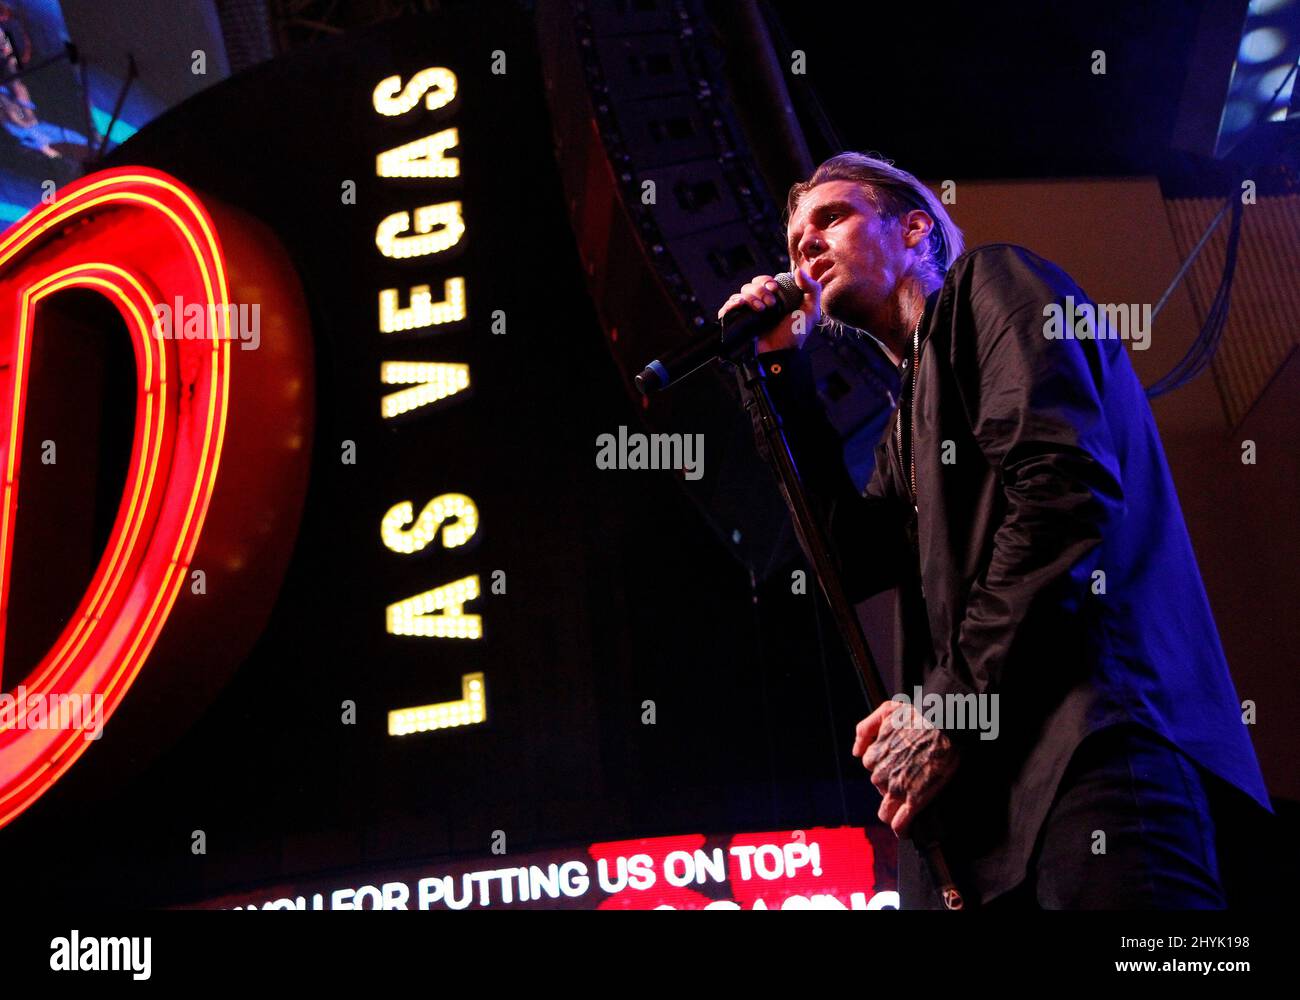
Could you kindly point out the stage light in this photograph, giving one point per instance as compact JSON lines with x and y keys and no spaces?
{"x":1261,"y":45}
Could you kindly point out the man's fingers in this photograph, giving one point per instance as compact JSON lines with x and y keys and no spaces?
{"x":756,"y":293}
{"x":759,"y":293}
{"x":868,"y":727}
{"x":889,"y":809}
{"x":762,"y":292}
{"x":902,"y":820}
{"x":871,"y":724}
{"x":752,"y":296}
{"x":874,"y":752}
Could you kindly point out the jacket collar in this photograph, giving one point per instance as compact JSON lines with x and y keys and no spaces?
{"x":931,"y":309}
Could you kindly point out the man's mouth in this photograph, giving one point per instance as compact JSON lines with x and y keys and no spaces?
{"x":819,"y":276}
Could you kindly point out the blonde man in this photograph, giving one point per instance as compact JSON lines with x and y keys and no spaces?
{"x":1022,"y":505}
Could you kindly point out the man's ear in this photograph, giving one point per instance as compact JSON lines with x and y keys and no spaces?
{"x":917,"y":225}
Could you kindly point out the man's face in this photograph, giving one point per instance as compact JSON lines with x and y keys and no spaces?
{"x":836,"y":234}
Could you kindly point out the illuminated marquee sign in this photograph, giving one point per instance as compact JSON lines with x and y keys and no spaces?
{"x":383,"y":611}
{"x":435,"y":229}
{"x":141,"y":239}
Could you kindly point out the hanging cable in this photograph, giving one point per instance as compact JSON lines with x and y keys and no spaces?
{"x":1206,"y":344}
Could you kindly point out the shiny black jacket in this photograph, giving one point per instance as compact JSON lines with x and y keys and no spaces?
{"x":1046,"y":559}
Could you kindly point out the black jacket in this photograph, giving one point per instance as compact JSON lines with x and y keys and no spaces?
{"x":1047,"y":561}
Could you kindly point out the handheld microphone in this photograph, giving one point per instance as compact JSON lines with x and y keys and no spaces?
{"x":738,"y":327}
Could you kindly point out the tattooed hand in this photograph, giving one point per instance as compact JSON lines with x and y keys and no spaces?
{"x":909,"y":759}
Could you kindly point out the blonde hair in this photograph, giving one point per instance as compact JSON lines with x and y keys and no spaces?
{"x":894,"y":192}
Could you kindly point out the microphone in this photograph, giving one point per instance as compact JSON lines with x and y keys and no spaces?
{"x":738,"y":327}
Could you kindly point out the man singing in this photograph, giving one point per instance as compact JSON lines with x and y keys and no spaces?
{"x":1022,"y":505}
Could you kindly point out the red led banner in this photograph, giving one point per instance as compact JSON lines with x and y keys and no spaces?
{"x":821,"y":868}
{"x":140,"y":239}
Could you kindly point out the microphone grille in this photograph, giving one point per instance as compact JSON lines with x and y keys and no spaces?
{"x":790,"y":293}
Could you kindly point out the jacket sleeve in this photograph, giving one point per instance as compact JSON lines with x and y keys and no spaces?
{"x":1034,"y":407}
{"x":866,"y":532}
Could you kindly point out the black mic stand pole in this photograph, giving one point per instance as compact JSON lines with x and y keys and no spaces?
{"x":924,"y":832}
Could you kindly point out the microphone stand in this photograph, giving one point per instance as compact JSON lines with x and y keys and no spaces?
{"x":924,"y":830}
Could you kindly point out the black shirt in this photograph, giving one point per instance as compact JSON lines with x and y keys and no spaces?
{"x":1046,"y":561}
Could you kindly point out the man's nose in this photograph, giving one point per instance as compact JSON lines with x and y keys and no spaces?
{"x":810,"y":245}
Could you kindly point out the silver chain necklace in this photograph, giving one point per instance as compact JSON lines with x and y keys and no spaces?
{"x":911,"y":406}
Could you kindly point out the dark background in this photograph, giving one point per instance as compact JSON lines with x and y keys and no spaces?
{"x":617,"y":590}
{"x":998,"y":89}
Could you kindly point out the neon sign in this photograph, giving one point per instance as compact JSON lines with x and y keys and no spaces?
{"x":174,"y":459}
{"x":138,"y":238}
